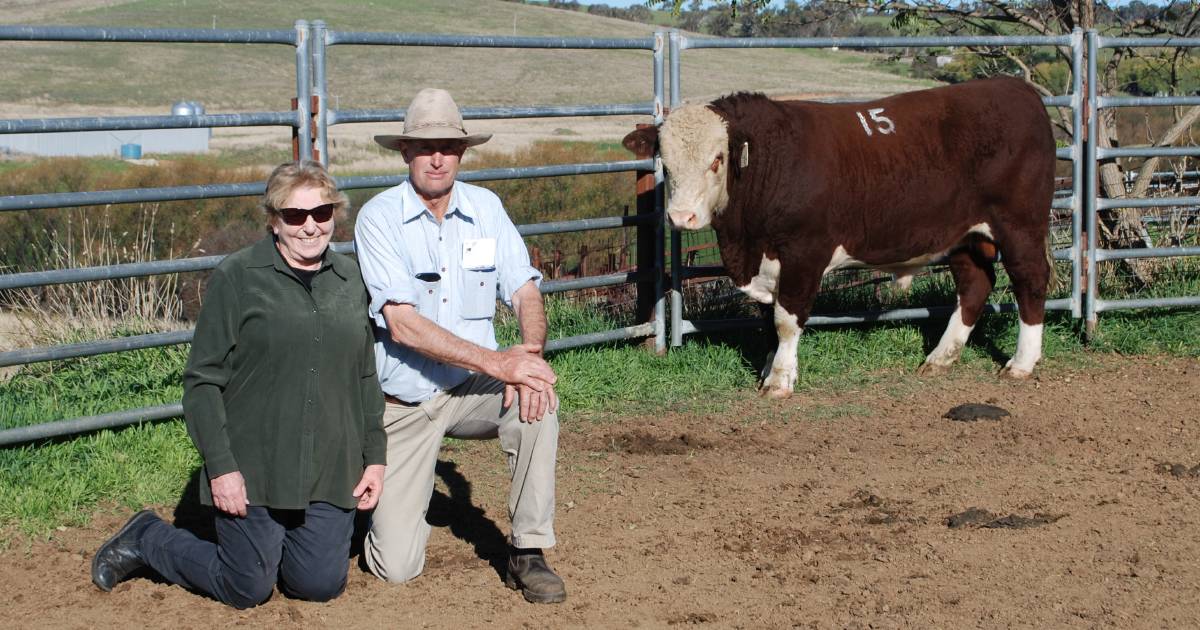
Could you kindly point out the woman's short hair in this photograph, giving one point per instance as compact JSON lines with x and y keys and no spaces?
{"x":289,"y":177}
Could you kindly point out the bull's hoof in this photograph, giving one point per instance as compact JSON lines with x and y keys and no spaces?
{"x":775,"y":392}
{"x":932,"y":369}
{"x":1010,"y":373}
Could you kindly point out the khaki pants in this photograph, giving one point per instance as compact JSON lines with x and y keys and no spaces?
{"x":395,"y":546}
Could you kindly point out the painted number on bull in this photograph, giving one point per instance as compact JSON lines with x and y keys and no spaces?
{"x":883,"y":124}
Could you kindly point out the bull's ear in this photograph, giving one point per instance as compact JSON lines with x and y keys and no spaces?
{"x":739,"y":153}
{"x":643,"y":141}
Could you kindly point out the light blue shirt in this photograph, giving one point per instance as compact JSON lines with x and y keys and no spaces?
{"x":444,"y":270}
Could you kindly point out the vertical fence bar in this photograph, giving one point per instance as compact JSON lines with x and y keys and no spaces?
{"x":1077,"y":171}
{"x":660,"y":303}
{"x":1089,"y":207}
{"x":320,"y":90}
{"x":304,"y":147}
{"x":676,"y":243}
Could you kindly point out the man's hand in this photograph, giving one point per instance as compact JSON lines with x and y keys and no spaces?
{"x":369,"y":487}
{"x":522,"y":364}
{"x":533,"y":404}
{"x":229,"y":493}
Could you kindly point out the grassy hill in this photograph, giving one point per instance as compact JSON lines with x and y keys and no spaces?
{"x":247,"y":78}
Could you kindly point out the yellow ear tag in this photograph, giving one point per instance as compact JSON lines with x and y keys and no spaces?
{"x":745,"y":160}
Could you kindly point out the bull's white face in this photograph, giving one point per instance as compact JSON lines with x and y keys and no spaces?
{"x":694,"y":142}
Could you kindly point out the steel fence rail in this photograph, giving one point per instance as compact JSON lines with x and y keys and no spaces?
{"x":211,"y":191}
{"x":345,"y":116}
{"x":1161,"y":302}
{"x":333,"y":38}
{"x":107,"y":272}
{"x":482,"y":175}
{"x":205,"y":263}
{"x":119,"y":419}
{"x":146,"y":35}
{"x":1147,"y":252}
{"x":129,"y":195}
{"x":871,"y":42}
{"x":862,"y":317}
{"x":86,"y":424}
{"x":121,"y":123}
{"x":93,"y":348}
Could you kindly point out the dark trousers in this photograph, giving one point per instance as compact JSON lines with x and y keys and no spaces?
{"x":305,"y":551}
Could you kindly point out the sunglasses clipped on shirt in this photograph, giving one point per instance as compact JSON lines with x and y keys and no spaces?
{"x":298,"y":216}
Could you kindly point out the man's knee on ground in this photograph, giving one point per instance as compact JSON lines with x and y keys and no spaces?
{"x":396,"y":567}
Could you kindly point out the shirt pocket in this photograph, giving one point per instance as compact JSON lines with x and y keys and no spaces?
{"x":479,"y":293}
{"x":427,"y":297}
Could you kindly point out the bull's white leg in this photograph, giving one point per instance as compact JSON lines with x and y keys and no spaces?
{"x":782,"y":378}
{"x":950,"y":347}
{"x":1029,"y":352}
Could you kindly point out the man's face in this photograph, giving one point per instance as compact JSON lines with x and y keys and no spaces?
{"x":433,"y":165}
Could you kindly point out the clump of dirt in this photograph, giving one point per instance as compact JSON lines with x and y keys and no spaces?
{"x":970,"y":412}
{"x":1179,"y":470}
{"x":643,"y":442}
{"x":976,"y":517}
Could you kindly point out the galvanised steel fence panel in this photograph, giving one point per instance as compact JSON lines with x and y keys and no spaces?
{"x":312,"y":118}
{"x":327,"y":116}
{"x":1075,"y":101}
{"x":1096,"y":303}
{"x":310,"y":122}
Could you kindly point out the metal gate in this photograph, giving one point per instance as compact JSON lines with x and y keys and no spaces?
{"x":312,"y":117}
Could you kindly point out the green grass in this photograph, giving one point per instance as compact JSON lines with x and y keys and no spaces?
{"x":43,"y":486}
{"x":62,"y":482}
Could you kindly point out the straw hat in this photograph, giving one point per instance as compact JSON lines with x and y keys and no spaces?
{"x":433,"y":115}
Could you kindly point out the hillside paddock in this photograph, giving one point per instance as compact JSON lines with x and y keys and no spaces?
{"x":824,"y":511}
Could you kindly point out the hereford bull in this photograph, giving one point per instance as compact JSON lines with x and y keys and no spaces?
{"x":797,"y":189}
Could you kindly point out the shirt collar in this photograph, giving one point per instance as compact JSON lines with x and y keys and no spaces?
{"x":413,"y":207}
{"x":265,"y":254}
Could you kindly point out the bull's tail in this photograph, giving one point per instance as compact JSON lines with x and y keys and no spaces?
{"x":1053,"y":283}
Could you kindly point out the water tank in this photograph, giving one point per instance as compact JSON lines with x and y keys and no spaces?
{"x":130,"y":151}
{"x":187,"y":108}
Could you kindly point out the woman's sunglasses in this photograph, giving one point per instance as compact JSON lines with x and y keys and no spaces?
{"x":298,"y":216}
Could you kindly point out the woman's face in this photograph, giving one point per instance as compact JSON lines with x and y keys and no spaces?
{"x":302,"y":239}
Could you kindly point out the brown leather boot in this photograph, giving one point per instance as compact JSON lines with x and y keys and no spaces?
{"x":528,"y":571}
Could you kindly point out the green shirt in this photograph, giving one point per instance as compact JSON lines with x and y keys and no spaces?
{"x":280,"y":384}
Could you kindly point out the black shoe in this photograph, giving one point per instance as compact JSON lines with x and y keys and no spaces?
{"x":528,"y":571}
{"x":121,"y":555}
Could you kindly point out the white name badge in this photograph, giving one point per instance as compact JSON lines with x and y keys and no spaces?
{"x":479,"y":253}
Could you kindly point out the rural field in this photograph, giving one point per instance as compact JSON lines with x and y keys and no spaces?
{"x":244,"y":78}
{"x":826,"y":511}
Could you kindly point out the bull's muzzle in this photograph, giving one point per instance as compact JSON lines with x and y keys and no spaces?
{"x":683,"y":219}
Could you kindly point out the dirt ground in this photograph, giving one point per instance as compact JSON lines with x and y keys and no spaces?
{"x":825,"y":511}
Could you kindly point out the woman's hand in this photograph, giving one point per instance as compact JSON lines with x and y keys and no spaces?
{"x":369,"y":487}
{"x":229,"y":493}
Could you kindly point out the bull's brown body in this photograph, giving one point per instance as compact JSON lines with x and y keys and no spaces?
{"x":962,"y":171}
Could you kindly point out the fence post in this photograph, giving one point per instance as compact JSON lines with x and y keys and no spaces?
{"x":1089,"y":273}
{"x":646,"y":255}
{"x":320,"y":94}
{"x":302,"y":136}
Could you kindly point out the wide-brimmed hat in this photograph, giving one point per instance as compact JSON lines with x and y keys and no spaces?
{"x":432,"y":115}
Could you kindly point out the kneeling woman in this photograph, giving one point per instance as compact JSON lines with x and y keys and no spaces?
{"x":281,"y":400}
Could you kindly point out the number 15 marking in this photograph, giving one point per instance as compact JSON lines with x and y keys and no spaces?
{"x":883,"y":124}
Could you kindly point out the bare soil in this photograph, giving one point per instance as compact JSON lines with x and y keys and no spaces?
{"x":826,"y":511}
